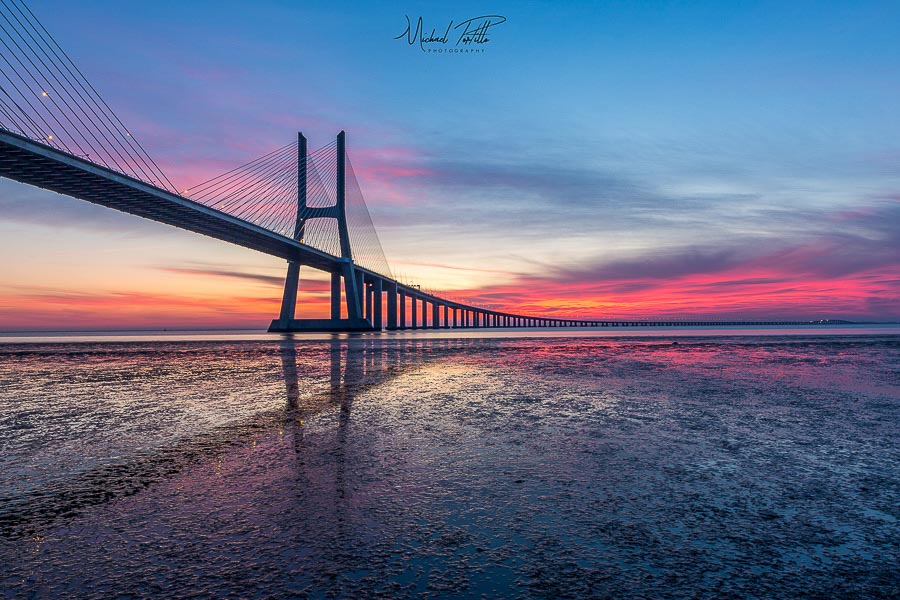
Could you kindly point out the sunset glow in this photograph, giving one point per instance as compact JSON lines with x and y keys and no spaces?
{"x":627,"y":198}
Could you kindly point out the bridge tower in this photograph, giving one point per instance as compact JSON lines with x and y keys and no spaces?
{"x":353,"y":294}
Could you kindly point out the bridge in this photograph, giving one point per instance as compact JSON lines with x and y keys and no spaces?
{"x":306,"y":207}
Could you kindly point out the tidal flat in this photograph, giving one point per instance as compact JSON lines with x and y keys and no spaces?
{"x":416,"y":466}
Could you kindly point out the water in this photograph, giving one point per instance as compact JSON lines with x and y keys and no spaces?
{"x":532,"y":464}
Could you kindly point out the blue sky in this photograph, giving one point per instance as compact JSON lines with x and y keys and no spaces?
{"x":590,"y":152}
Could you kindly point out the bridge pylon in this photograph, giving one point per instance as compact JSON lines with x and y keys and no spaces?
{"x":346,"y":271}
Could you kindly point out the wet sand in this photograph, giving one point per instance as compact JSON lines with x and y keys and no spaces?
{"x":530,"y":467}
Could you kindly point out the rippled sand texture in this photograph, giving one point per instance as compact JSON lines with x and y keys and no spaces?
{"x":396,"y":467}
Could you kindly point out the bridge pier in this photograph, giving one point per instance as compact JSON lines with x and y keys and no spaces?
{"x":391,"y":305}
{"x":335,"y":296}
{"x":376,"y":305}
{"x":289,"y":298}
{"x":354,"y":302}
{"x":402,"y":301}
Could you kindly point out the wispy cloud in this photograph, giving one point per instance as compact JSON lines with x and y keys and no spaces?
{"x":268,"y":280}
{"x":834,"y":272}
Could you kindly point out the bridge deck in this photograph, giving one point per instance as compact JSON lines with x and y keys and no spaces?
{"x":29,"y":162}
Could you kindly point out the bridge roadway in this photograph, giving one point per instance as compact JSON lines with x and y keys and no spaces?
{"x":39,"y":165}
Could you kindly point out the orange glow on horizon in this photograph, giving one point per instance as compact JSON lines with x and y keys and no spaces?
{"x":255,"y":306}
{"x":770,"y":295}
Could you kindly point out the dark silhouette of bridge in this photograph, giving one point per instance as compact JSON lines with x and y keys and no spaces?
{"x":57,"y":133}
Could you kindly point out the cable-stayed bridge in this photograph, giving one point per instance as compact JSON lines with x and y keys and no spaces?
{"x":57,"y":133}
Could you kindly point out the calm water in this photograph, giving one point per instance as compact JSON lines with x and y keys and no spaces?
{"x":756,"y":463}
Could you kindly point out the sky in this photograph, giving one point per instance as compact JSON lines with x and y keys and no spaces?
{"x":597,"y":159}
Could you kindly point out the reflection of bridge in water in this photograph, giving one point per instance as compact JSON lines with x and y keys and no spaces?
{"x":305,"y":471}
{"x":351,"y":367}
{"x":360,"y":363}
{"x":57,"y":133}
